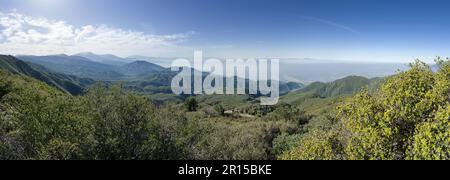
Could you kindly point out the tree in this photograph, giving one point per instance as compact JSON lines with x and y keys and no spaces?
{"x":39,"y":122}
{"x":122,"y":122}
{"x":290,"y":113}
{"x":191,"y":104}
{"x":316,"y":145}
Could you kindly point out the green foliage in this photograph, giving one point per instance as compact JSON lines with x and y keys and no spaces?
{"x":39,"y":122}
{"x":219,"y":109}
{"x":256,"y":110}
{"x":289,"y":113}
{"x":230,"y":140}
{"x":121,"y":122}
{"x":191,"y":104}
{"x":408,"y":118}
{"x":285,"y":142}
{"x":382,"y":127}
{"x":432,"y":139}
{"x":316,"y":145}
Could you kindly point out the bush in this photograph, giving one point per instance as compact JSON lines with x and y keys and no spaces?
{"x":316,"y":145}
{"x":191,"y":104}
{"x":219,"y":109}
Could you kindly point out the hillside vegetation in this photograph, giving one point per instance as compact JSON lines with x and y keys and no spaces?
{"x":407,"y":118}
{"x":40,"y":122}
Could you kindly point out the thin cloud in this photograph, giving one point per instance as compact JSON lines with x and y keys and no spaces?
{"x":330,"y":23}
{"x":21,"y":34}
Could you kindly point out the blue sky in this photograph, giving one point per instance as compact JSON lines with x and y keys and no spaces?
{"x":356,"y":30}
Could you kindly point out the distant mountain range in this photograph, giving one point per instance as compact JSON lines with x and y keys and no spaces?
{"x":105,"y":59}
{"x":309,"y":70}
{"x":74,"y":73}
{"x":159,"y":81}
{"x":100,"y":67}
{"x":306,"y":71}
{"x":139,"y":75}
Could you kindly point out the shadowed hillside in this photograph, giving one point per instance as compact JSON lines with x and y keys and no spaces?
{"x":67,"y":83}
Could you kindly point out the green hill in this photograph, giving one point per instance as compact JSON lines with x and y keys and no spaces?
{"x":321,"y":99}
{"x":345,"y":86}
{"x":285,"y":88}
{"x":66,"y":83}
{"x":141,"y":68}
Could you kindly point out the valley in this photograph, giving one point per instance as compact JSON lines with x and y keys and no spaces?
{"x":97,"y":118}
{"x":265,"y":131}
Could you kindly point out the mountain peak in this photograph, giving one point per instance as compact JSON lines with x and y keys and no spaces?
{"x":141,"y":67}
{"x":140,"y":62}
{"x":106,"y":58}
{"x":98,"y":55}
{"x":63,"y":55}
{"x":84,"y":53}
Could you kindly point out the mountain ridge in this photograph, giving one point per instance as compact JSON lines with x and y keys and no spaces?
{"x":67,"y":83}
{"x":104,"y":58}
{"x":93,"y":69}
{"x":344,"y":86}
